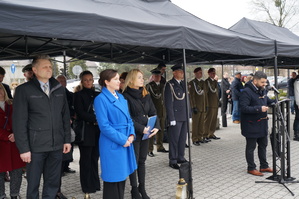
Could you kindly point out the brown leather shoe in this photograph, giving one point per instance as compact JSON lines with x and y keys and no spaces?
{"x":266,"y":170}
{"x":236,"y":122}
{"x":255,"y":172}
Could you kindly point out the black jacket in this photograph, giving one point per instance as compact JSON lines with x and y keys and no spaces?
{"x":41,"y":123}
{"x":236,"y":89}
{"x":225,"y":85}
{"x":254,"y":122}
{"x":82,"y":100}
{"x":140,"y":109}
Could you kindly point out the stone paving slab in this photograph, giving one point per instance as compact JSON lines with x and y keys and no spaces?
{"x":219,"y":172}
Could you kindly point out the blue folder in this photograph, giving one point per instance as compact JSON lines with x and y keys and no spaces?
{"x":151,"y":121}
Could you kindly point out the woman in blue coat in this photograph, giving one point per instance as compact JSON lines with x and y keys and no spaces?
{"x":117,"y":134}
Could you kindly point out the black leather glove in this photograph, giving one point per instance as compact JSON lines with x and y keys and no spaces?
{"x":195,"y":110}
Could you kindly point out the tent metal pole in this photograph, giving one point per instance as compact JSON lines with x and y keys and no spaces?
{"x":188,"y":125}
{"x":64,"y":63}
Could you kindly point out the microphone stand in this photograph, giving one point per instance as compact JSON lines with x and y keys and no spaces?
{"x":280,"y":140}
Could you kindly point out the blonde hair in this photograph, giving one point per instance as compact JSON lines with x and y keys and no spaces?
{"x":131,"y":78}
{"x":6,"y":99}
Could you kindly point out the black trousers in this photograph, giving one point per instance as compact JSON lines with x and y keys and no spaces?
{"x":249,"y":152}
{"x":141,"y":149}
{"x":224,"y":104}
{"x":177,"y":141}
{"x":114,"y":190}
{"x":89,"y":169}
{"x":48,"y":164}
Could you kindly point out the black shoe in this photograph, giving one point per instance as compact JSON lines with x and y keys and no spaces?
{"x":163,"y":151}
{"x":174,"y":166}
{"x":181,"y":162}
{"x":143,"y":192}
{"x":151,"y":154}
{"x":135,"y":193}
{"x":69,"y":170}
{"x":186,"y":146}
{"x":214,"y":137}
{"x":60,"y":196}
{"x":204,"y":141}
{"x":196,"y":143}
{"x":14,"y":197}
{"x":208,"y":140}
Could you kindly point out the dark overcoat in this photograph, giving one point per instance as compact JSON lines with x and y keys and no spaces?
{"x":254,"y":122}
{"x":82,"y":100}
{"x":236,"y":89}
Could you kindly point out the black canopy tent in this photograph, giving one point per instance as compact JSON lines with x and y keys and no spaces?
{"x":132,"y":31}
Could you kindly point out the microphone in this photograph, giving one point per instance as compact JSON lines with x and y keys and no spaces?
{"x":273,"y":88}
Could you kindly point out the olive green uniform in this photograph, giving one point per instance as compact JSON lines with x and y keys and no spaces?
{"x":212,"y":100}
{"x":197,"y":101}
{"x":156,"y":92}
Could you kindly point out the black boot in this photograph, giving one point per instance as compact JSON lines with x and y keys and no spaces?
{"x":135,"y":193}
{"x":143,"y":192}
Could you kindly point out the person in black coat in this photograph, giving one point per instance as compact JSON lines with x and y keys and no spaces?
{"x":141,"y":107}
{"x":89,"y":150}
{"x":225,"y":93}
{"x":236,"y":88}
{"x":254,"y":104}
{"x":2,"y":75}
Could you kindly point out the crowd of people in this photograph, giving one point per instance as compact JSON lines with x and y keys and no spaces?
{"x":36,"y":127}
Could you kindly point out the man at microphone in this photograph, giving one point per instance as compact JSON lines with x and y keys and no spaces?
{"x":254,"y":104}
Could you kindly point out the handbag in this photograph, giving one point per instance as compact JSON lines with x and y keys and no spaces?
{"x":79,"y":128}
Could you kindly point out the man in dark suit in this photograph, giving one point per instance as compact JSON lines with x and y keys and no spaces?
{"x":175,"y":103}
{"x":7,"y":89}
{"x":254,"y":104}
{"x":156,"y":90}
{"x":28,"y":73}
{"x":41,"y":123}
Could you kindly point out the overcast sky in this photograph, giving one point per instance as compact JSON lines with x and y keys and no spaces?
{"x":224,"y":13}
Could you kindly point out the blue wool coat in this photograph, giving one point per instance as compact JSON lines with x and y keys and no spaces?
{"x":254,"y":122}
{"x":117,"y":162}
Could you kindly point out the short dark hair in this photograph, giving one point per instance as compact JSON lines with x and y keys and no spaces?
{"x":2,"y":71}
{"x":86,"y":72}
{"x":197,"y":69}
{"x":123,"y":75}
{"x":38,"y":57}
{"x":107,"y":74}
{"x":259,"y":75}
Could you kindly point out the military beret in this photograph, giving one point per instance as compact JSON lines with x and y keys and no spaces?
{"x":28,"y":67}
{"x":161,"y":65}
{"x":197,"y":69}
{"x":177,"y":67}
{"x":211,"y":70}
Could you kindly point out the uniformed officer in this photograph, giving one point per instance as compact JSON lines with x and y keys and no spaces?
{"x":175,"y":104}
{"x":156,"y":90}
{"x":212,"y":100}
{"x":197,"y":102}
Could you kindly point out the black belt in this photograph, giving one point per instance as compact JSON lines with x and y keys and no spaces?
{"x":92,"y":123}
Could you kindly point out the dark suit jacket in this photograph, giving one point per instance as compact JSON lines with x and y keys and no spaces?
{"x":7,"y":90}
{"x":236,"y":89}
{"x":82,"y":100}
{"x":175,"y":108}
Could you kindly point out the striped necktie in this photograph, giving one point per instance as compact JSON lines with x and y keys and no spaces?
{"x":46,"y":89}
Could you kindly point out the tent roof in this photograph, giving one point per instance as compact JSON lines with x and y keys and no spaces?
{"x":136,"y":31}
{"x":287,"y":42}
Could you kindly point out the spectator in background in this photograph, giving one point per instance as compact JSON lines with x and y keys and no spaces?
{"x":122,"y":79}
{"x":7,"y":89}
{"x":41,"y":124}
{"x":225,"y":91}
{"x":117,"y":129}
{"x":291,"y":90}
{"x":9,"y":154}
{"x":296,"y":109}
{"x":162,"y":68}
{"x":236,"y":88}
{"x":89,"y":148}
{"x":28,"y":73}
{"x":68,"y":157}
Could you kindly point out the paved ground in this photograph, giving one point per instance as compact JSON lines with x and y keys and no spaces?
{"x":219,"y":171}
